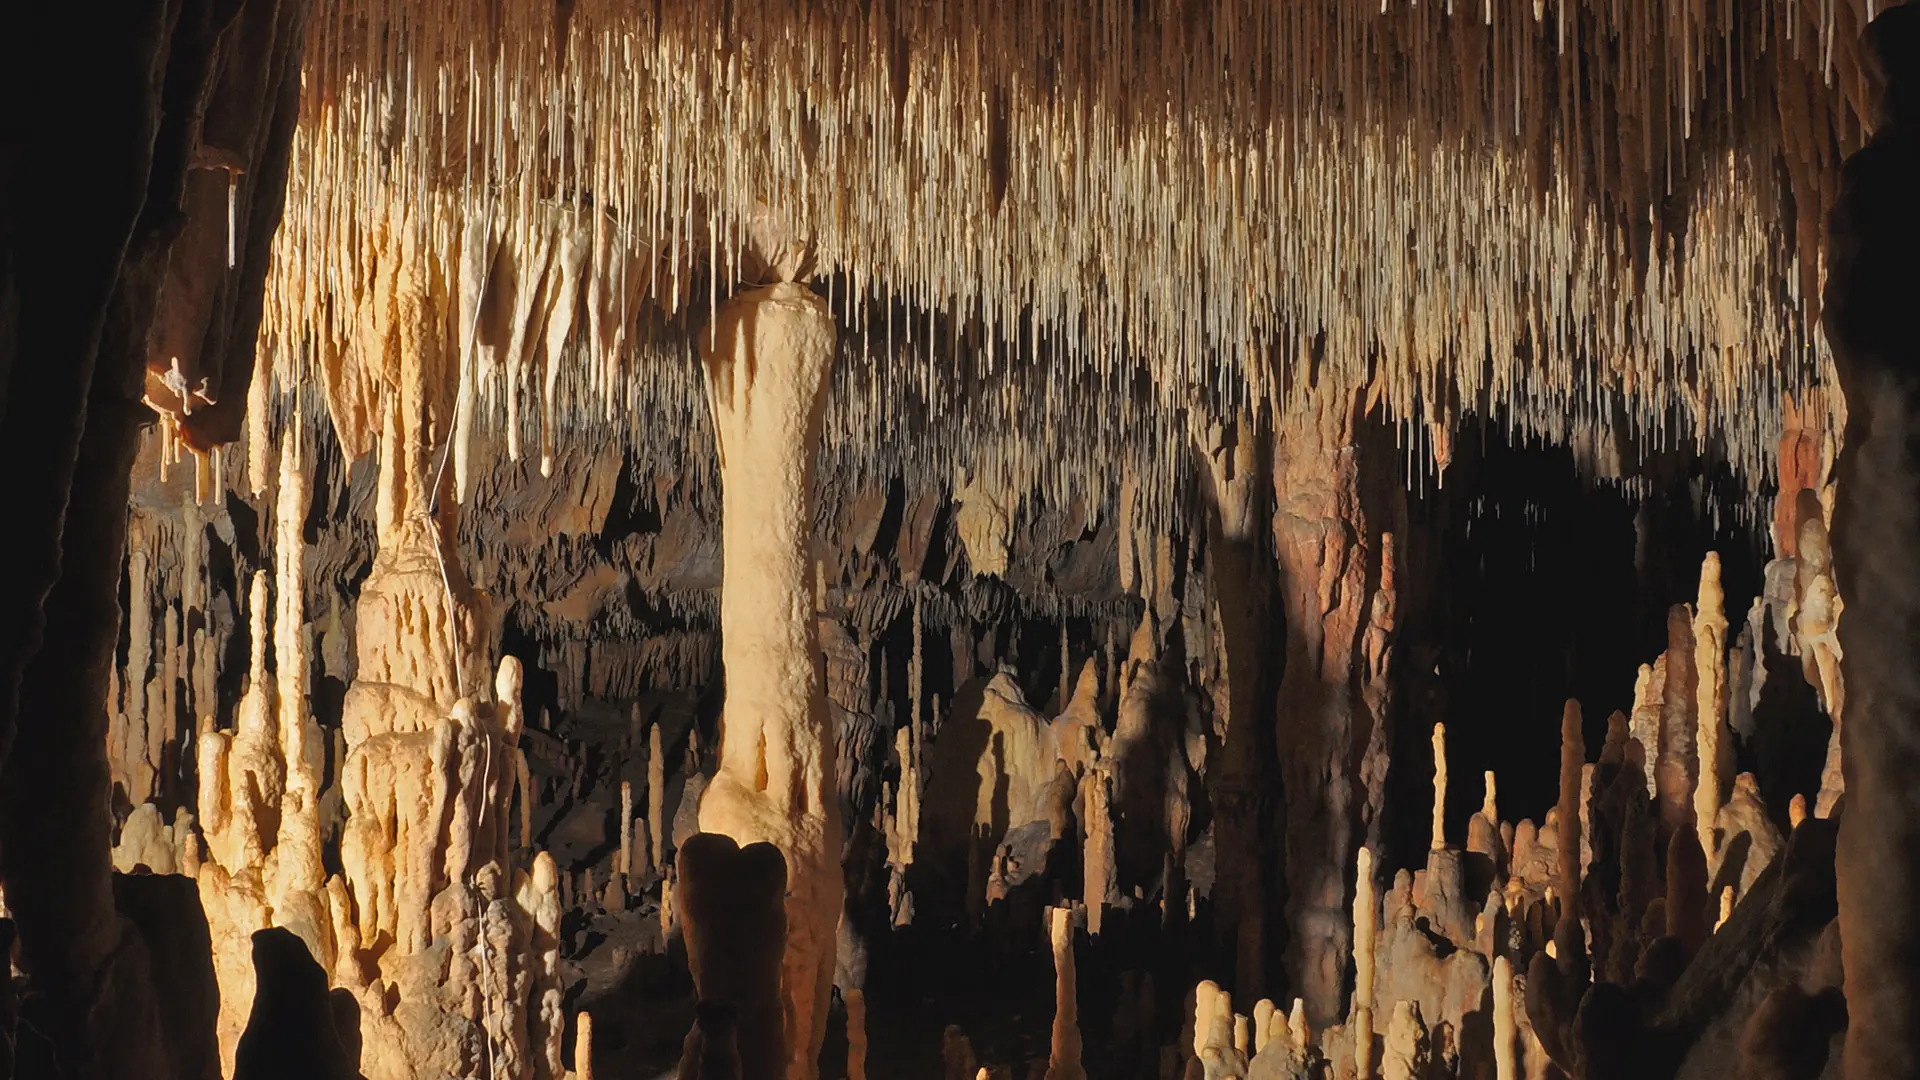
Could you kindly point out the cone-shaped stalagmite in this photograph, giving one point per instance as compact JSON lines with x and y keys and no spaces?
{"x":767,"y":359}
{"x":1366,"y":918}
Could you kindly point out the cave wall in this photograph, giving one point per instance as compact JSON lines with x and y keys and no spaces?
{"x":122,"y":103}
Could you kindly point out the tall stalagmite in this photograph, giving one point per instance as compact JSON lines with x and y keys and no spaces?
{"x":1709,"y":661}
{"x":767,"y":359}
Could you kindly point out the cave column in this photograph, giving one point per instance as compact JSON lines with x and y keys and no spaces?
{"x":767,"y":359}
{"x":1237,"y":457}
{"x":1873,"y":259}
{"x":1337,"y":595}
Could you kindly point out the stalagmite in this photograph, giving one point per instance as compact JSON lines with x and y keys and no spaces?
{"x":1213,"y":1038}
{"x":1649,"y":691}
{"x":1572,"y":762}
{"x":1063,"y":1061}
{"x":626,"y":829}
{"x":1406,"y":1050}
{"x":1366,"y":914}
{"x":1439,"y":819}
{"x":583,"y":1047}
{"x":956,"y":1052}
{"x":856,"y":1001}
{"x":656,"y":797}
{"x":1504,"y":1031}
{"x":140,"y":652}
{"x":766,"y":365}
{"x":1097,"y":852}
{"x":1709,"y":647}
{"x":1677,"y":768}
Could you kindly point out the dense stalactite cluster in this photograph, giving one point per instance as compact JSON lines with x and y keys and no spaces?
{"x":1236,"y":208}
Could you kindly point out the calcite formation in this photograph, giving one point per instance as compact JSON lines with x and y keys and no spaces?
{"x":767,"y":358}
{"x":761,"y":519}
{"x":1064,"y":1059}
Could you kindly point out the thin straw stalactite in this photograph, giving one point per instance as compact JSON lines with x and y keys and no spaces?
{"x":1047,"y":228}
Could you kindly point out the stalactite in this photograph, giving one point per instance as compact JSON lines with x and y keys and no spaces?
{"x":631,"y":133}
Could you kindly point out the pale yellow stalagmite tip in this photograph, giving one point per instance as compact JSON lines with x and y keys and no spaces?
{"x":1489,"y":807}
{"x":1797,"y":811}
{"x":626,"y":828}
{"x":1726,"y":908}
{"x":1505,"y":1028}
{"x":1439,"y":787}
{"x":1366,"y":913}
{"x":583,"y":1047}
{"x":1709,"y":648}
{"x":656,"y":797}
{"x":1064,"y":1060}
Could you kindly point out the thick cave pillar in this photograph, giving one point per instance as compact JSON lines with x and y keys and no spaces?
{"x":767,"y":360}
{"x":1337,"y":591}
{"x":1873,"y":275}
{"x":1237,"y":458}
